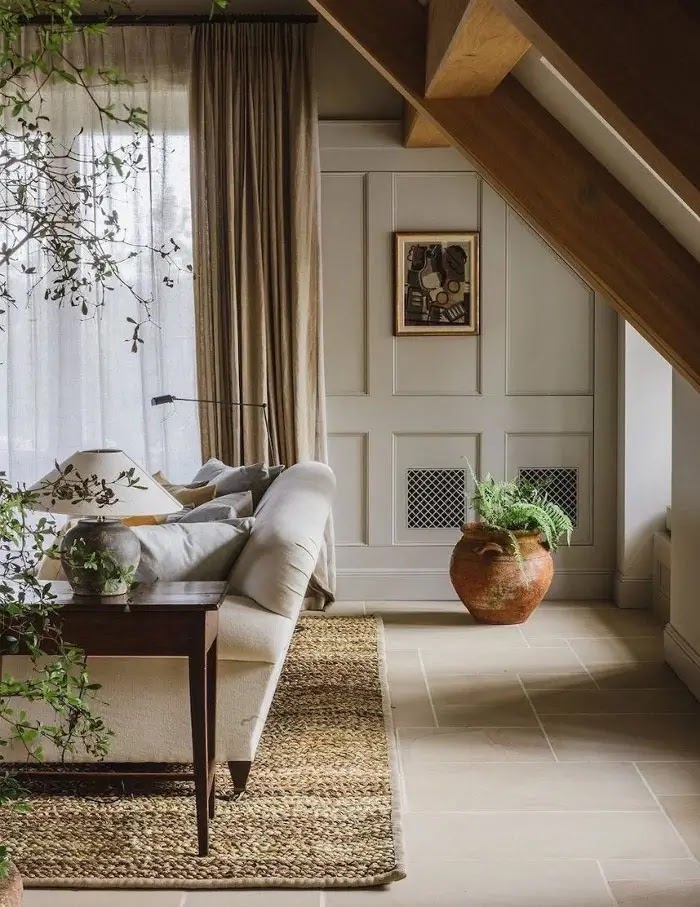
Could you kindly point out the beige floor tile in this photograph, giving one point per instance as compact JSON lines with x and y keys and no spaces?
{"x":635,"y":677}
{"x":684,"y":812}
{"x":352,"y":609}
{"x":569,"y":604}
{"x":447,"y":631}
{"x":421,"y":745}
{"x":262,"y":898}
{"x":480,"y":700}
{"x":454,"y":787}
{"x":610,"y":738}
{"x":488,"y":884}
{"x":573,"y":680}
{"x":672,"y":779}
{"x":412,"y":607}
{"x":544,"y":835}
{"x":410,"y":701}
{"x":65,"y":897}
{"x":557,"y":702}
{"x":591,"y":622}
{"x":487,"y":659}
{"x":643,"y":870}
{"x":657,"y":894}
{"x":632,"y":650}
{"x":547,"y":642}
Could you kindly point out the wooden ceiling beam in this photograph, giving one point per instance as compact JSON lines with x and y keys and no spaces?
{"x":469,"y":57}
{"x":636,"y":63}
{"x":471,"y":48}
{"x":420,"y":132}
{"x":548,"y":178}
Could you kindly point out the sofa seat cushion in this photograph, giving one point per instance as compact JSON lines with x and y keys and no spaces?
{"x":248,"y":632}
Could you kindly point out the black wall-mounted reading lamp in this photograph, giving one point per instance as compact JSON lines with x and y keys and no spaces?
{"x":171,"y":398}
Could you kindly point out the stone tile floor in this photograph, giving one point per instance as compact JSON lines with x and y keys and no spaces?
{"x":555,"y":764}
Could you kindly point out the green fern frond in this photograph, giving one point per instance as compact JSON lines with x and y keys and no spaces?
{"x":517,"y":505}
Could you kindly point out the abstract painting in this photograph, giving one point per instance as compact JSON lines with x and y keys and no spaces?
{"x":437,"y":283}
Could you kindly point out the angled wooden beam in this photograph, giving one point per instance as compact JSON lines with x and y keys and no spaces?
{"x":420,"y":132}
{"x":636,"y":63}
{"x":548,"y":178}
{"x":472,"y":46}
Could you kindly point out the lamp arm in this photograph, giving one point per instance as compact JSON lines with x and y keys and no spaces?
{"x":171,"y":398}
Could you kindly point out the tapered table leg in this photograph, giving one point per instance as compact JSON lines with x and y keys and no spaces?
{"x":211,"y":725}
{"x":200,"y":737}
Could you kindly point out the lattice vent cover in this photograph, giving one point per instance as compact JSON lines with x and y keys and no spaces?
{"x":435,"y":498}
{"x":560,"y":483}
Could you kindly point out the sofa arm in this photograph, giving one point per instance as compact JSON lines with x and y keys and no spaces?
{"x":278,"y":560}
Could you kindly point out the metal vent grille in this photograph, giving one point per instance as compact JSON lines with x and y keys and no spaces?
{"x":435,"y":498}
{"x":560,"y":483}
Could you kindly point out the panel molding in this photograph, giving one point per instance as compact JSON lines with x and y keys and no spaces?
{"x":438,"y":538}
{"x":433,"y":584}
{"x":589,"y":390}
{"x":364,"y":494}
{"x":587,"y":501}
{"x":365,"y":390}
{"x":632,"y":591}
{"x":476,"y":340}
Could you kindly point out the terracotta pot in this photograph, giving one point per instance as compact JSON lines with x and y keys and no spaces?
{"x":496,"y":587}
{"x":11,"y":889}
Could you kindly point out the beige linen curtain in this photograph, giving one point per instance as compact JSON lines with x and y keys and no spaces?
{"x":256,"y":237}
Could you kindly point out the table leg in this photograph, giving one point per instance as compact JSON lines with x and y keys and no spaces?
{"x":200,"y":756}
{"x":211,"y":724}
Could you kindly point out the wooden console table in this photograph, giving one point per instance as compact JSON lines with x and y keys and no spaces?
{"x":158,"y":620}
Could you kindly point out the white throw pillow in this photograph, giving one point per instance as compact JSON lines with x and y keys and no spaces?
{"x":227,"y":507}
{"x":194,"y":551}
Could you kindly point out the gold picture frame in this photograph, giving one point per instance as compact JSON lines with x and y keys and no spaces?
{"x":436,"y":284}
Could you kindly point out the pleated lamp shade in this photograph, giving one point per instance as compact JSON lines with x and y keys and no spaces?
{"x":116,"y":469}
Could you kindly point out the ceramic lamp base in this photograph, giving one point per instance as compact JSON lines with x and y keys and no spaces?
{"x":99,"y":536}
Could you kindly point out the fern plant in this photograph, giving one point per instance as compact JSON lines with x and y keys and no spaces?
{"x":519,"y":506}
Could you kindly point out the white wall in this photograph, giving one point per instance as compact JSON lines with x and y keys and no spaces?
{"x":682,"y":638}
{"x":644,"y":462}
{"x":537,"y":388}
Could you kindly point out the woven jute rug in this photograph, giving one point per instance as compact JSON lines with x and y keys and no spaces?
{"x":320,"y":811}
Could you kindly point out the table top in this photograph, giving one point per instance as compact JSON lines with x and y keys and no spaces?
{"x":160,"y":596}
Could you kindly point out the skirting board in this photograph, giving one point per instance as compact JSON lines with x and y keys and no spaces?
{"x":435,"y":585}
{"x":632,"y":592}
{"x":683,"y":658}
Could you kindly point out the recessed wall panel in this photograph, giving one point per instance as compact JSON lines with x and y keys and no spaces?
{"x":550,"y":310}
{"x":424,"y":465}
{"x":344,"y":282}
{"x":347,"y":456}
{"x":533,"y":452}
{"x":436,"y":366}
{"x":439,"y":202}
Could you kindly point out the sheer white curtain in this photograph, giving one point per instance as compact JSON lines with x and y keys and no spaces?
{"x":69,"y":382}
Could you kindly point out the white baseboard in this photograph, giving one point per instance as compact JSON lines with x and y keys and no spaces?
{"x":403,"y":584}
{"x":632,"y":592}
{"x":683,"y":658}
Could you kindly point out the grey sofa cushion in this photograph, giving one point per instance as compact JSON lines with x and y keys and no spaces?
{"x":196,"y":551}
{"x":227,"y":507}
{"x":229,"y":479}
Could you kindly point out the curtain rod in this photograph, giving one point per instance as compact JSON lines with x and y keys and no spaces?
{"x":177,"y":20}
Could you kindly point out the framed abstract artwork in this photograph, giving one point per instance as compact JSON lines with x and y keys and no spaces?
{"x":437,"y":283}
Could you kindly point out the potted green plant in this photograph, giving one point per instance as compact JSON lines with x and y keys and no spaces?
{"x":57,"y":674}
{"x":502,"y":566}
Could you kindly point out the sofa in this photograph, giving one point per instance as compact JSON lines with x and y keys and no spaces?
{"x":145,"y":700}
